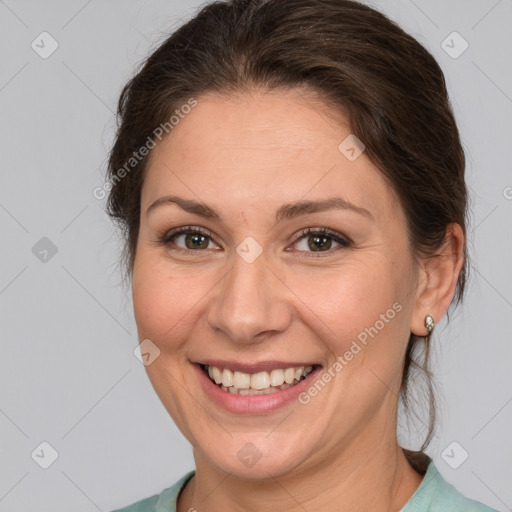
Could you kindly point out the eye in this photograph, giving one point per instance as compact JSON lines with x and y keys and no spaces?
{"x":312,"y":240}
{"x":320,"y":240}
{"x":189,"y":238}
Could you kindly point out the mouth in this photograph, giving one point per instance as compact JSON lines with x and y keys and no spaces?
{"x":268,"y":382}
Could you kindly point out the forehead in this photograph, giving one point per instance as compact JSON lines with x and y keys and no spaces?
{"x":266,"y":147}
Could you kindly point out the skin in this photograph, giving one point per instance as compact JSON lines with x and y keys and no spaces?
{"x":247,"y":155}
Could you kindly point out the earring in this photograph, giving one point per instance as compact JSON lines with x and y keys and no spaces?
{"x":429,"y":323}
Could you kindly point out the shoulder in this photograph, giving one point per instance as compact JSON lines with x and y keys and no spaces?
{"x":448,"y":497}
{"x":435,"y":494}
{"x":163,"y":502}
{"x":145,"y":505}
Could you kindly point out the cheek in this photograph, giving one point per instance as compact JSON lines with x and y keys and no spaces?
{"x":345,"y":301}
{"x":162,"y":300}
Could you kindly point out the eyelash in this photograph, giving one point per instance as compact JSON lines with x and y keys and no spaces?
{"x":343,"y":242}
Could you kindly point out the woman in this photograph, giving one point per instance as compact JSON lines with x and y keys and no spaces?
{"x":290,"y":180}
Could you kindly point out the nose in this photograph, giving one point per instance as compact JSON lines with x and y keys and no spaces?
{"x":251,"y":303}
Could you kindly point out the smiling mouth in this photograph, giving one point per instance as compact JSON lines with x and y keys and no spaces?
{"x":261,"y":383}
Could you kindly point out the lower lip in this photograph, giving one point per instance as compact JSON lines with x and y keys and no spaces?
{"x":254,"y":404}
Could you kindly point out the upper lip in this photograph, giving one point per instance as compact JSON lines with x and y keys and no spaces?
{"x":260,"y":366}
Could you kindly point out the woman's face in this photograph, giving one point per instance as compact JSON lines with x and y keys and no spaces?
{"x":254,"y":293}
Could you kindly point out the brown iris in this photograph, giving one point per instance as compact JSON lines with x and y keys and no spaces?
{"x":319,"y":242}
{"x":196,"y":241}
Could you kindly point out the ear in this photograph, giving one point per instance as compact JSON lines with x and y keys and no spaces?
{"x":437,"y":280}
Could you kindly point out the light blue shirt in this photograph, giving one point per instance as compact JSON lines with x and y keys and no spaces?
{"x":434,"y":494}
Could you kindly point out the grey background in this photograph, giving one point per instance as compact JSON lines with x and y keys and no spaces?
{"x":68,"y":375}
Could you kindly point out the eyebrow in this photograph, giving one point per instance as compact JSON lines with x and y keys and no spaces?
{"x":285,"y":212}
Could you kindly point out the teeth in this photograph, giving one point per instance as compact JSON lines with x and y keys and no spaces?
{"x":249,"y":392}
{"x":227,"y":378}
{"x":289,"y":375}
{"x":298,"y":372}
{"x":217,"y":376}
{"x":260,"y":380}
{"x":240,"y":383}
{"x":242,"y":380}
{"x":276,"y":378}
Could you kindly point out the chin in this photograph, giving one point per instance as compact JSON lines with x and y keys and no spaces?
{"x":254,"y":456}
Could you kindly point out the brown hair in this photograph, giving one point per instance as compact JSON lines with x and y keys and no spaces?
{"x":357,"y":60}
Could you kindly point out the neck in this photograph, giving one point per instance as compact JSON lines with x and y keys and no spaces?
{"x":341,"y":482}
